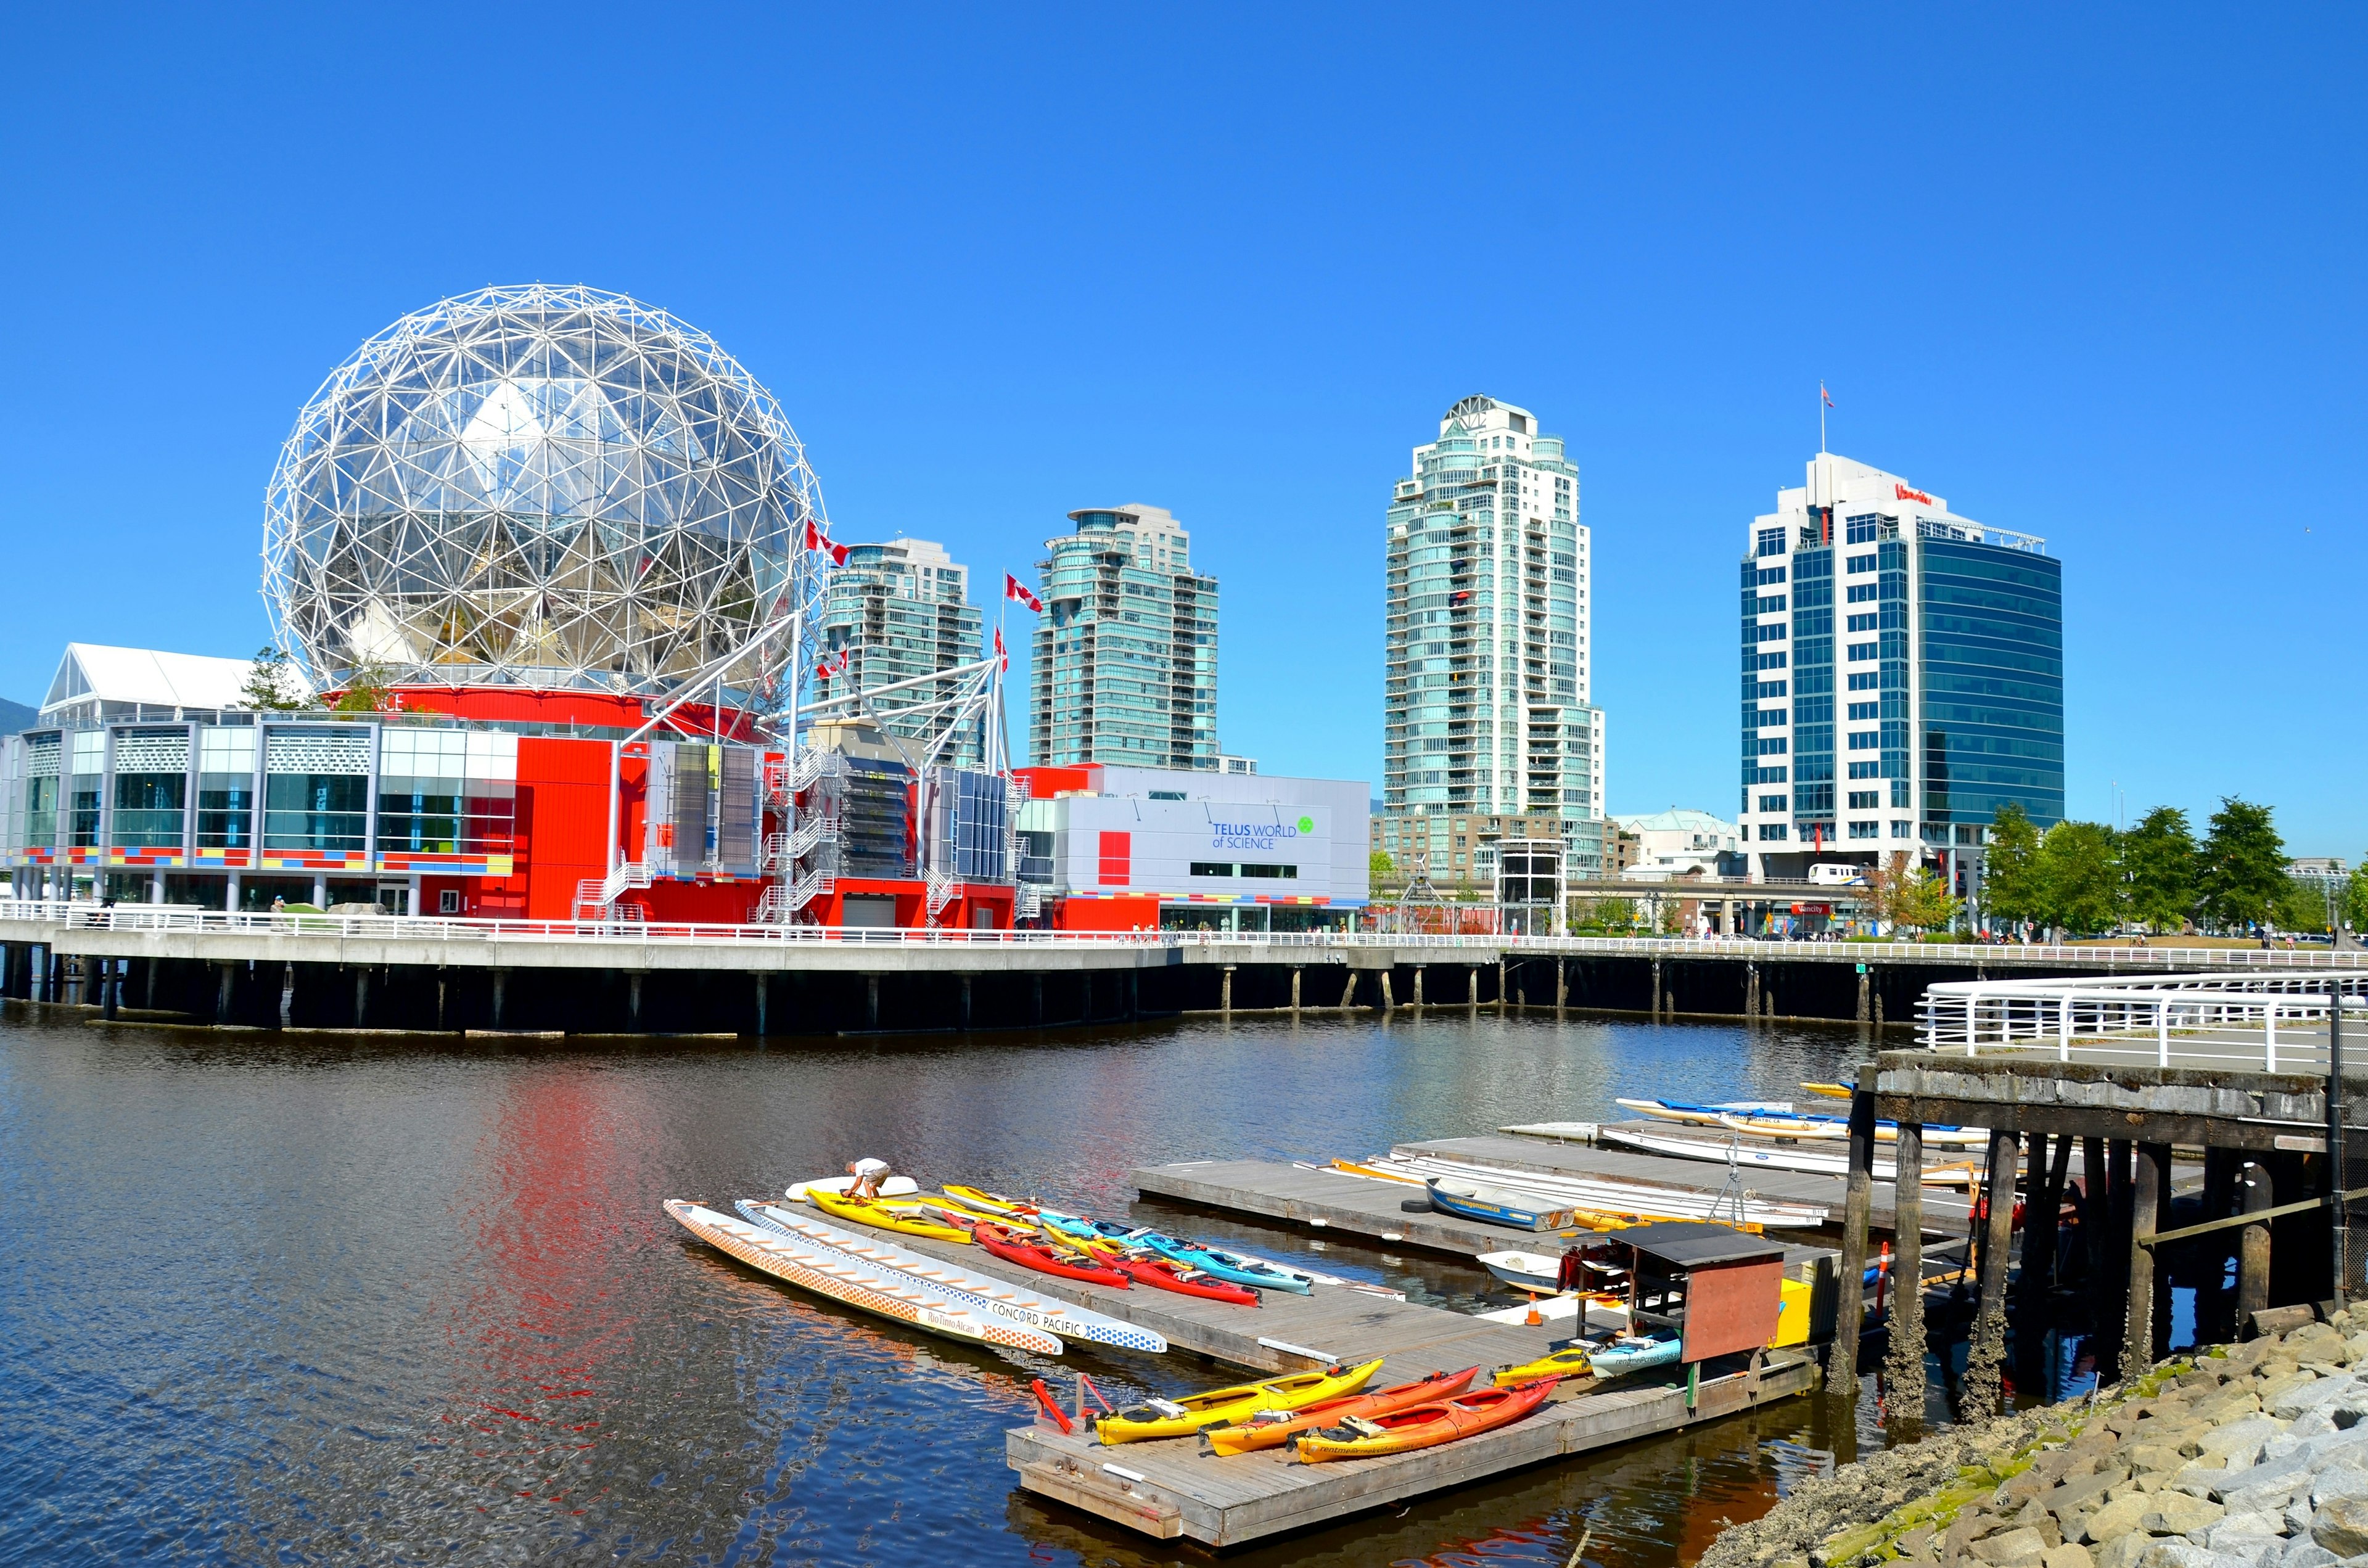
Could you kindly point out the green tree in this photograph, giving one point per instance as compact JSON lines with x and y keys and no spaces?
{"x":1614,"y":914}
{"x":367,"y":692}
{"x":2301,"y":907}
{"x":2010,"y":889}
{"x":2159,"y":870}
{"x":1923,"y":902}
{"x":2077,"y":877}
{"x":2354,"y":905}
{"x":1381,"y":869}
{"x":2243,"y":864}
{"x":271,"y":684}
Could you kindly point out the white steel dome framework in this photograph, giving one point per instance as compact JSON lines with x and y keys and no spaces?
{"x":542,"y":488}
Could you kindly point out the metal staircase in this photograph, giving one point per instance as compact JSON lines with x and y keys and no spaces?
{"x":597,"y":900}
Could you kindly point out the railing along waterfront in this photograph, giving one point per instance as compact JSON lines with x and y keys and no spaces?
{"x":82,"y":915}
{"x":2193,"y":1020}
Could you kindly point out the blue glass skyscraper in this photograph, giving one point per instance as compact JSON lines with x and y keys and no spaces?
{"x":1902,"y":675}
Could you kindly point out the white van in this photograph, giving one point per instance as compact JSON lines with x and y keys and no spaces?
{"x":1837,"y":874}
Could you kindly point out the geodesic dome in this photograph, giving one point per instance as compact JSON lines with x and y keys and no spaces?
{"x":540,"y":487}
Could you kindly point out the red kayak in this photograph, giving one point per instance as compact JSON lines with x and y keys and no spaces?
{"x":1168,"y":1275}
{"x":1067,"y":1262}
{"x":1272,"y":1429}
{"x":1424,"y":1425}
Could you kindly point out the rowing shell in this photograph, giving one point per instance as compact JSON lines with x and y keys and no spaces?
{"x":982,"y":1293}
{"x":853,"y":1283}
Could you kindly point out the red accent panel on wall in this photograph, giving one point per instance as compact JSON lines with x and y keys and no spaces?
{"x":563,"y":818}
{"x":1118,"y":860}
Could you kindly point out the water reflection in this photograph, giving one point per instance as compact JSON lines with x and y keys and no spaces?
{"x":383,"y":1299}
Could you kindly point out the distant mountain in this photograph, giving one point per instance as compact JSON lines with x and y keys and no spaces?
{"x":15,"y":716}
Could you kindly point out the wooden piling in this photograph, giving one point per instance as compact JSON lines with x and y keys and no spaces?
{"x":1417,"y":1003}
{"x":1850,"y":1301}
{"x":2146,"y":1195}
{"x":2253,"y":1245}
{"x":2042,"y":1233}
{"x":1985,"y":1360}
{"x":1294,"y":990}
{"x":1903,"y":1369}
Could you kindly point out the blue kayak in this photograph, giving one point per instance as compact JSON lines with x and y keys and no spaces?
{"x":1626,"y":1355}
{"x":1223,"y":1264}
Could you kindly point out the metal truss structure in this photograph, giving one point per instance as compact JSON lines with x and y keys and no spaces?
{"x":545,"y":487}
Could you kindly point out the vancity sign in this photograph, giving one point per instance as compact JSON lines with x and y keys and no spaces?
{"x":1902,"y":493}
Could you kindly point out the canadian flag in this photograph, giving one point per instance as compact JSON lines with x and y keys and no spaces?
{"x":829,"y":665}
{"x":1003,"y":659}
{"x":817,"y":540}
{"x":1013,"y":588}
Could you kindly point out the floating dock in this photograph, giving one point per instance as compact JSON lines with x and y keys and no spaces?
{"x":1324,"y":1199}
{"x":1170,"y":1489}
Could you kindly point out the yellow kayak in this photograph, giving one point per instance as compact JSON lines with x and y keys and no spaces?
{"x":1219,"y":1407}
{"x":1831,"y":1091}
{"x":902,"y":1215}
{"x":1569,"y":1363}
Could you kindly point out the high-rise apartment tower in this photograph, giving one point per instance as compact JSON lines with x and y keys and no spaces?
{"x":902,"y":610}
{"x":1126,"y":654}
{"x":1486,"y":706}
{"x":1903,"y":675}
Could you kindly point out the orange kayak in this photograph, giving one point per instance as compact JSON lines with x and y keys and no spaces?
{"x":1272,"y":1429}
{"x":1424,"y":1425}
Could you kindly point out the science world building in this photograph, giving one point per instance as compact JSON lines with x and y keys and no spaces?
{"x":546,"y":562}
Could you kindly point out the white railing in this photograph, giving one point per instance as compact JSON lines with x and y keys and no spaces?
{"x":2170,"y":1020}
{"x":2252,"y":965}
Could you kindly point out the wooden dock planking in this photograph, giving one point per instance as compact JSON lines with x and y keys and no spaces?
{"x":1228,"y":1502}
{"x":1349,"y":1323}
{"x":1328,"y":1199}
{"x":1943,"y":1207}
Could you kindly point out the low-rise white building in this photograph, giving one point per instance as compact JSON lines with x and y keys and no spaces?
{"x":1127,"y":849}
{"x":1680,"y":840}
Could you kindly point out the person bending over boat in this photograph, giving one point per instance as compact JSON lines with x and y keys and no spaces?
{"x":868,"y":1174}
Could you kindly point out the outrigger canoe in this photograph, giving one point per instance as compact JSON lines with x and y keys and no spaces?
{"x":851,"y":1282}
{"x":1220,"y":1407}
{"x":982,"y":1293}
{"x":1424,"y":1425}
{"x":1272,"y":1429}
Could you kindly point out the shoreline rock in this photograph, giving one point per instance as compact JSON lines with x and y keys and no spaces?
{"x":2249,"y":1455}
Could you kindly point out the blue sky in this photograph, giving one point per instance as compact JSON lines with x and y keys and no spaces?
{"x":2093,"y":276}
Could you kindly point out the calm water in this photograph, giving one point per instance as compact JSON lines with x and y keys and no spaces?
{"x":310,"y":1301}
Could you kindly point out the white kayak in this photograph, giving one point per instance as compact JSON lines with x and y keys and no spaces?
{"x":1816,"y":1162}
{"x":851,"y":1282}
{"x":983,"y":1292}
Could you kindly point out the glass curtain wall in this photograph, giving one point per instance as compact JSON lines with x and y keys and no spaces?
{"x":152,"y":789}
{"x":88,"y":752}
{"x":41,"y":780}
{"x":1993,"y":700}
{"x":316,"y":789}
{"x":1812,"y":694}
{"x":226,"y":788}
{"x":447,"y":792}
